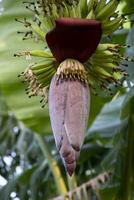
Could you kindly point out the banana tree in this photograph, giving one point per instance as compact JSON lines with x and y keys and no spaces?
{"x":73,"y":52}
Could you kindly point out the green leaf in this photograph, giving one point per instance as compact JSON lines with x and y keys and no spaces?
{"x":130,"y":53}
{"x":27,"y":110}
{"x":97,"y":102}
{"x":108,"y":119}
{"x":24,"y":178}
{"x":128,"y":104}
{"x":108,"y":192}
{"x":6,"y":190}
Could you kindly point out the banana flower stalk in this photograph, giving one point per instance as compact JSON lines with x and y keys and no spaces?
{"x":75,"y":63}
{"x":72,"y":42}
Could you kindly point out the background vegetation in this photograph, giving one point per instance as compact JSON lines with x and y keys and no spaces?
{"x":29,"y":161}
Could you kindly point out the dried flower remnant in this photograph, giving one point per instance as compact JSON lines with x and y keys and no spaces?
{"x":75,"y":62}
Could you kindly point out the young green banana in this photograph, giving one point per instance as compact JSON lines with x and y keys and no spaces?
{"x":65,"y":10}
{"x":101,"y":60}
{"x":106,"y":46}
{"x":38,"y":31}
{"x":43,"y":74}
{"x":110,"y":29}
{"x":102,"y":71}
{"x":90,"y":5}
{"x":91,"y":15}
{"x":41,"y":53}
{"x":100,"y":6}
{"x":42,"y":64}
{"x":103,"y":64}
{"x":54,"y":11}
{"x":47,"y":23}
{"x":112,"y":23}
{"x":72,"y":11}
{"x":44,"y":70}
{"x":108,"y":10}
{"x":83,"y":7}
{"x":78,"y":11}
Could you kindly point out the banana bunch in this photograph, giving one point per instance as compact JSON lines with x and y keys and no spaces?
{"x":101,"y":10}
{"x":38,"y":76}
{"x":104,"y":66}
{"x":106,"y":13}
{"x":36,"y":53}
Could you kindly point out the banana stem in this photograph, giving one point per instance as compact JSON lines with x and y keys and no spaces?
{"x":72,"y":184}
{"x":60,"y":183}
{"x":128,"y":179}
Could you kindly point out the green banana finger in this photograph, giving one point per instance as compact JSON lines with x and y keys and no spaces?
{"x":78,"y":10}
{"x":104,"y":65}
{"x":112,"y":23}
{"x":98,"y":76}
{"x":103,"y":47}
{"x":104,"y":61}
{"x":108,"y":46}
{"x":65,"y":10}
{"x":44,"y":75}
{"x":102,"y":71}
{"x":91,"y":15}
{"x":47,"y":23}
{"x":72,"y":12}
{"x":42,"y":64}
{"x":46,"y":79}
{"x":102,"y":57}
{"x":100,"y":6}
{"x":83,"y":7}
{"x":44,"y":70}
{"x":38,"y":31}
{"x":117,"y":75}
{"x":103,"y":54}
{"x":116,"y":14}
{"x":108,"y":31}
{"x":94,"y":76}
{"x":41,"y":53}
{"x":36,"y":53}
{"x":54,"y":11}
{"x":108,"y":10}
{"x":90,"y":5}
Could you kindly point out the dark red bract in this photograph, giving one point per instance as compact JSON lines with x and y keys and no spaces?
{"x":74,"y":38}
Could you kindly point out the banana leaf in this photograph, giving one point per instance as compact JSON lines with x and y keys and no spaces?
{"x":27,"y":110}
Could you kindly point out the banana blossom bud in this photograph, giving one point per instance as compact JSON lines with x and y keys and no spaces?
{"x":69,"y":107}
{"x":72,"y":42}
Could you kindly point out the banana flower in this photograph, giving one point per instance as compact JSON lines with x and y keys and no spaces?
{"x":75,"y":63}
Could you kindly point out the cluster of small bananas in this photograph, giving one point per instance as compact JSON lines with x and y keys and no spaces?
{"x":100,"y":10}
{"x":38,"y":75}
{"x":48,"y":5}
{"x":104,"y":67}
